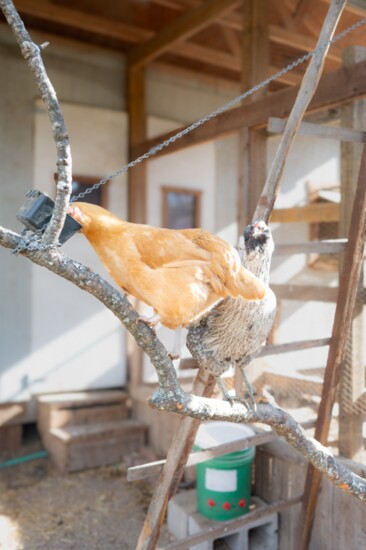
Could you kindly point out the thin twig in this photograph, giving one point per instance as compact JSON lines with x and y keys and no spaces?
{"x":32,"y":54}
{"x":306,"y":92}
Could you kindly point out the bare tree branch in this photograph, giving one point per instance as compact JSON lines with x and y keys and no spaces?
{"x":171,"y":397}
{"x":32,"y":54}
{"x":282,"y":423}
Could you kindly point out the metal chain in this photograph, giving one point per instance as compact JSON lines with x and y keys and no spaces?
{"x":32,"y":241}
{"x":154,"y":150}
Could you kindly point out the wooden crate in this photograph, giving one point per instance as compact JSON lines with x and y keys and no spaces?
{"x":11,"y":417}
{"x":80,"y":408}
{"x":76,"y":448}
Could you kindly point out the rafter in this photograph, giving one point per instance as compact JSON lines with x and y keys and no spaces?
{"x":119,"y":31}
{"x":334,"y":89}
{"x":179,"y":30}
{"x":285,"y":15}
{"x":278,"y":35}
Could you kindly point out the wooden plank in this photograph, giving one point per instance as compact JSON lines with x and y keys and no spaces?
{"x":331,"y":246}
{"x":179,"y":30}
{"x":137,"y":177}
{"x":11,"y":413}
{"x":285,"y":37}
{"x":305,"y":293}
{"x":233,"y":525}
{"x":351,"y":441}
{"x":154,"y":468}
{"x":291,"y":78}
{"x":174,"y":466}
{"x":310,"y":213}
{"x":275,"y":349}
{"x":11,"y":438}
{"x":348,"y":287}
{"x":252,"y":145}
{"x":335,"y":88}
{"x":277,"y":125}
{"x":307,"y":90}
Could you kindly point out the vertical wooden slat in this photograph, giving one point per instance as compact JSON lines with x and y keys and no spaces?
{"x":252,"y":143}
{"x":136,"y":134}
{"x":252,"y":148}
{"x":351,"y":444}
{"x":342,"y":322}
{"x":173,"y":469}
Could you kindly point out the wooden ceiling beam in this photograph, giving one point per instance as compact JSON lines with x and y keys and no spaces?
{"x":179,"y":30}
{"x":299,"y":41}
{"x":334,"y":89}
{"x":103,"y":27}
{"x":83,"y":20}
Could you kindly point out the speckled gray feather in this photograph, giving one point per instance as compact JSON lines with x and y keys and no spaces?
{"x":235,"y":330}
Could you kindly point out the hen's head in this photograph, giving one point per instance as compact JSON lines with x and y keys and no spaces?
{"x":258,"y":238}
{"x":90,"y":215}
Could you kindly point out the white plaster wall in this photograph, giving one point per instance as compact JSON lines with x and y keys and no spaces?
{"x":311,"y":161}
{"x":82,"y":346}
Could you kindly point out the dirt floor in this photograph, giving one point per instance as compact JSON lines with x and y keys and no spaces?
{"x":95,"y":509}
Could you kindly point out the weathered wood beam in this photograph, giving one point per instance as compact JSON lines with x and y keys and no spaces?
{"x":290,"y":347}
{"x":137,"y":178}
{"x":174,"y":466}
{"x":179,"y":30}
{"x":305,"y":293}
{"x":277,"y":126}
{"x":154,"y":468}
{"x":348,"y":287}
{"x":334,"y":89}
{"x":352,"y":384}
{"x":310,"y":213}
{"x":331,"y":246}
{"x":101,"y":26}
{"x":285,"y":37}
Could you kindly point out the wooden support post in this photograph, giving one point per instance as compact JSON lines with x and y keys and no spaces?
{"x":137,"y":134}
{"x":342,"y":322}
{"x":352,"y":385}
{"x":173,"y":469}
{"x":252,"y":143}
{"x":137,"y":189}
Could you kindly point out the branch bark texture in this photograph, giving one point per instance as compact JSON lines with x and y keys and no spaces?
{"x":32,"y":54}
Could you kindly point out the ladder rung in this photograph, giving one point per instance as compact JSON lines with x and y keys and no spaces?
{"x":331,"y":246}
{"x":275,"y":349}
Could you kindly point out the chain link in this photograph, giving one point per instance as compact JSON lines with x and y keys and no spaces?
{"x":154,"y":150}
{"x":32,"y":241}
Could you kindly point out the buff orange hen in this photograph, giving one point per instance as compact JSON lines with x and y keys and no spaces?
{"x":181,"y":274}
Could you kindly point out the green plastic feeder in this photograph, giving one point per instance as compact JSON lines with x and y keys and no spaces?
{"x":224,"y":483}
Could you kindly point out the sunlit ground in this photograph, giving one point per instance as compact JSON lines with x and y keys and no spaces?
{"x":9,"y":534}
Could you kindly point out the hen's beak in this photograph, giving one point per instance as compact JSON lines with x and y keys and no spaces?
{"x":76,"y":213}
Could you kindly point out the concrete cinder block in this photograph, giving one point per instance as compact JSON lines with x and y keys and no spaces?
{"x":180,"y":507}
{"x":184,"y":520}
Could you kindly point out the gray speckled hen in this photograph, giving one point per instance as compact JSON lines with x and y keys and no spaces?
{"x":234,"y":331}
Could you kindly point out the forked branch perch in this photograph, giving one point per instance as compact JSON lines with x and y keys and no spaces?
{"x":170,"y":396}
{"x":32,"y":54}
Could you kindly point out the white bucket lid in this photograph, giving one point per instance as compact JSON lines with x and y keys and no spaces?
{"x":211,"y":434}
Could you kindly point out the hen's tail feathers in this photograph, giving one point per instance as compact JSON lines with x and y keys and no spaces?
{"x":247,"y":286}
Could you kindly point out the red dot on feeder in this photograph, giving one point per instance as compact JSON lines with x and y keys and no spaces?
{"x":226,"y":506}
{"x":211,"y":502}
{"x":242,"y":503}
